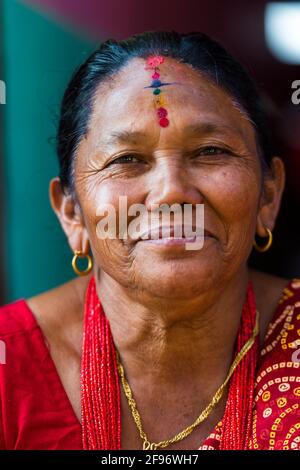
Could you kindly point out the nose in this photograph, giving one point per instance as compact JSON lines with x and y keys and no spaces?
{"x":172,"y":183}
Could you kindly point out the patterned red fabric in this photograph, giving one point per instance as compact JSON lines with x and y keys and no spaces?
{"x":35,"y":412}
{"x":276,"y":414}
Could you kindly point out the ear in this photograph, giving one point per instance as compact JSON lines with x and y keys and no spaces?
{"x":69,"y":214}
{"x":273,"y":186}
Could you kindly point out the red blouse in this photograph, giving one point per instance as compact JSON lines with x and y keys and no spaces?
{"x":35,"y":411}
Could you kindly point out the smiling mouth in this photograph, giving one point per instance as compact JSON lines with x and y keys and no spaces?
{"x":175,"y":241}
{"x":175,"y":234}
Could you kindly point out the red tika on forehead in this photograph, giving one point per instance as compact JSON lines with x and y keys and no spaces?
{"x":153,"y":63}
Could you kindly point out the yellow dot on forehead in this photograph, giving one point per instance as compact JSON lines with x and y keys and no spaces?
{"x":160,"y":101}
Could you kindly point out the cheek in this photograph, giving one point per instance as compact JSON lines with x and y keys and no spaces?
{"x":100,"y":195}
{"x":234,"y":193}
{"x":111,"y":189}
{"x":109,"y":193}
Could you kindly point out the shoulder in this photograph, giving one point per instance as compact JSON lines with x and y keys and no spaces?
{"x":281,"y":338}
{"x":15,"y":317}
{"x":267,"y":286}
{"x":269,"y":291}
{"x":283,"y":333}
{"x":277,"y":386}
{"x":39,"y":355}
{"x":59,"y":312}
{"x":50,"y":310}
{"x":62,"y":302}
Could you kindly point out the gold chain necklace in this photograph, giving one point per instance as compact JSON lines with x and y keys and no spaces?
{"x":147,"y":445}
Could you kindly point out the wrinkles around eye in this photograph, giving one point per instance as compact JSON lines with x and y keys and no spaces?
{"x":213,"y":151}
{"x":131,"y":158}
{"x":128,"y":158}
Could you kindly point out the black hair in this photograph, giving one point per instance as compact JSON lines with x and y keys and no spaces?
{"x":195,"y":48}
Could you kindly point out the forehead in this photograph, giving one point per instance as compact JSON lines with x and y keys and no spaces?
{"x":125,"y":104}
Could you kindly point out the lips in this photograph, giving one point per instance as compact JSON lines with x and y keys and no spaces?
{"x":184,"y":232}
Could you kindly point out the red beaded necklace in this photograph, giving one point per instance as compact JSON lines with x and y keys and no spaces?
{"x":100,"y":386}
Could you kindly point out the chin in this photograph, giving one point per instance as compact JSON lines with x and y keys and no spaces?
{"x":173,"y":280}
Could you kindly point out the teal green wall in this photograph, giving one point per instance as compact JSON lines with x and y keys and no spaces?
{"x":39,"y":57}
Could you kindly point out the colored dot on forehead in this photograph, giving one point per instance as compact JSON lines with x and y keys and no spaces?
{"x":164,"y":122}
{"x":160,"y":101}
{"x":156,"y":83}
{"x":155,"y":61}
{"x":162,"y":112}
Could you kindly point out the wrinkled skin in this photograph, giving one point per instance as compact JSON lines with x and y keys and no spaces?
{"x":174,"y":313}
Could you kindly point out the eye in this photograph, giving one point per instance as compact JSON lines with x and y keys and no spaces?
{"x":129,"y":158}
{"x":211,"y":150}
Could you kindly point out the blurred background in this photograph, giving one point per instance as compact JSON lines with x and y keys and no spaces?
{"x":42,"y":41}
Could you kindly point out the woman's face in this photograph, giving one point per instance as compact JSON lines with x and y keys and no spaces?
{"x":207,"y":155}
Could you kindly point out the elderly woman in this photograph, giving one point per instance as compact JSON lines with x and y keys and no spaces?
{"x":159,"y":346}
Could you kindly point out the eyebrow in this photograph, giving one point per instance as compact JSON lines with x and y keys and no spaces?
{"x":194,"y":129}
{"x":125,"y":137}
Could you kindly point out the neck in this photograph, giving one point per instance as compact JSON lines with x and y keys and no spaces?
{"x":174,"y":339}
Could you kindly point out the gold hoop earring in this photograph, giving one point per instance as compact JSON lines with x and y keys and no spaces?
{"x":265,"y":247}
{"x":87,"y":270}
